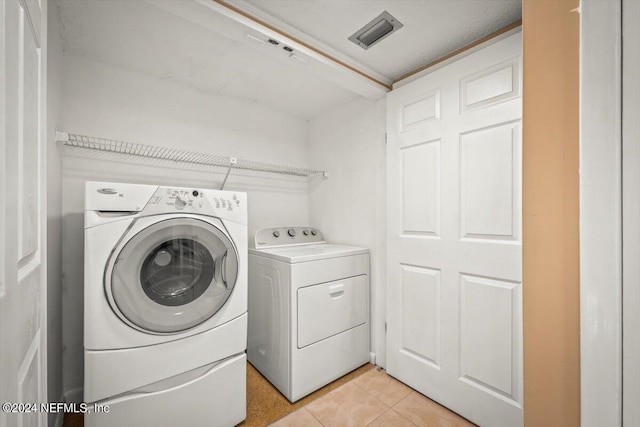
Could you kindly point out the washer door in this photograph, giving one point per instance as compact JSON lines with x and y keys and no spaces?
{"x":174,"y":275}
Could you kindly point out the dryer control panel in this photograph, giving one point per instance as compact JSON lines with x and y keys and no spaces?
{"x":287,"y":236}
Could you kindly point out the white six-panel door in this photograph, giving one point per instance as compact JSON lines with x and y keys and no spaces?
{"x":454,"y":310}
{"x":22,"y":209}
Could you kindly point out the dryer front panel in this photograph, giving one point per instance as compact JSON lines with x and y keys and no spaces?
{"x":328,"y":309}
{"x":172,"y":275}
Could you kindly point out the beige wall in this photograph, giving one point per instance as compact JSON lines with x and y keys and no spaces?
{"x":550,"y":213}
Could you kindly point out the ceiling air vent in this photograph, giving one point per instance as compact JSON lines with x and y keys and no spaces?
{"x":382,"y":26}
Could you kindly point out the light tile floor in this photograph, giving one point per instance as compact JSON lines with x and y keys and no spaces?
{"x":266,"y":405}
{"x":365,"y":397}
{"x":373,"y":399}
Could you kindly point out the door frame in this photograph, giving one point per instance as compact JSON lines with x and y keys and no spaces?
{"x":43,"y":194}
{"x":601,"y":212}
{"x":630,"y":213}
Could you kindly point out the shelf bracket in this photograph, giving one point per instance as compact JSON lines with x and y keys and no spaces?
{"x":232,"y":161}
{"x":61,"y":136}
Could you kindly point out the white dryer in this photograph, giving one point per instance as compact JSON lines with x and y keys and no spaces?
{"x":308,"y":309}
{"x":165,"y":305}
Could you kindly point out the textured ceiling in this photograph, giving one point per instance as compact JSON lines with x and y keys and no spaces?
{"x":139,"y":36}
{"x":432,"y":28}
{"x":217,"y":58}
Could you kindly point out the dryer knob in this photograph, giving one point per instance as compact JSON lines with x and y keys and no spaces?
{"x":305,"y":232}
{"x":276,"y":233}
{"x":314,"y":232}
{"x":291,"y":232}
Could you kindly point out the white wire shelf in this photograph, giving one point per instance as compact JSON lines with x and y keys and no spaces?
{"x":115,"y":147}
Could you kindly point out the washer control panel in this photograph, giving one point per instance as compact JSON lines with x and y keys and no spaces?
{"x":178,"y":199}
{"x":194,"y":200}
{"x":286,"y":236}
{"x":145,"y":200}
{"x":223,"y":204}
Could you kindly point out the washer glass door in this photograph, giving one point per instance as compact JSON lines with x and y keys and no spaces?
{"x":173,"y":275}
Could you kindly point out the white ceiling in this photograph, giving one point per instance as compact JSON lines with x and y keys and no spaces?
{"x":139,"y":36}
{"x":191,"y":44}
{"x":432,"y":28}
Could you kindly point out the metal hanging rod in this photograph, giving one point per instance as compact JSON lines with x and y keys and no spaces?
{"x":171,"y":154}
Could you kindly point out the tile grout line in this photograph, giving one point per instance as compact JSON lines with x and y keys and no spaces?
{"x":321,"y":397}
{"x":313,"y":416}
{"x":402,"y":415}
{"x":353,"y":380}
{"x":406,"y":397}
{"x":402,"y":400}
{"x":456,"y":417}
{"x":412,"y":391}
{"x":374,"y":420}
{"x":366,"y":390}
{"x":371,"y":394}
{"x":275,"y":392}
{"x":389,"y":406}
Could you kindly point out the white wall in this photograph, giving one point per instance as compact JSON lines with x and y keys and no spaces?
{"x":54,"y":217}
{"x":107,"y":101}
{"x":349,"y":207}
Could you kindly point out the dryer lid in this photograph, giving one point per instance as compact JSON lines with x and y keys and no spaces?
{"x":305,"y":253}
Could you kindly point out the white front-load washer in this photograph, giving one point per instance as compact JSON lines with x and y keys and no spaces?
{"x":308,"y":309}
{"x":165,"y":306}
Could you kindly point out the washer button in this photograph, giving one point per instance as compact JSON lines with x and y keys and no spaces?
{"x":276,"y":233}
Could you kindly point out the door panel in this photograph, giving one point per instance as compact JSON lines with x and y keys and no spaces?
{"x":490,"y":86}
{"x":28,"y":136}
{"x":421,"y":313}
{"x":22,"y":219}
{"x":489,"y":171}
{"x":420,"y":110}
{"x":487,"y":314}
{"x":454,"y":312}
{"x":421,"y":188}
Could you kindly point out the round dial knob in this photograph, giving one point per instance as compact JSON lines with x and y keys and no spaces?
{"x":180,"y":202}
{"x":314,"y":232}
{"x":291,"y":232}
{"x":305,"y":232}
{"x":276,"y":233}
